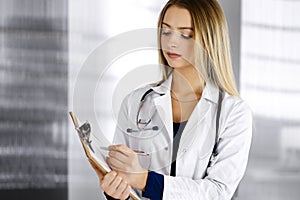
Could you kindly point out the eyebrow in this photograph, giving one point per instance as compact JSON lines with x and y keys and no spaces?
{"x":180,"y":28}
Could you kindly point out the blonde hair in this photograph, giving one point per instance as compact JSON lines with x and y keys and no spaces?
{"x":212,"y":54}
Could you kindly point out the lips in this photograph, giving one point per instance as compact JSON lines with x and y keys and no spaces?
{"x":173,"y":55}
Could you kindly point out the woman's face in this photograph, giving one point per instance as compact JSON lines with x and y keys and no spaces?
{"x":177,"y":37}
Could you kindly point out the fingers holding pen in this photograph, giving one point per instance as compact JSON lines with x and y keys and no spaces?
{"x":118,"y":155}
{"x":126,"y":162}
{"x":122,"y":150}
{"x":115,"y":164}
{"x":123,"y":154}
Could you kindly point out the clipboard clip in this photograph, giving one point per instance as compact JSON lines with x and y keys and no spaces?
{"x":84,"y":132}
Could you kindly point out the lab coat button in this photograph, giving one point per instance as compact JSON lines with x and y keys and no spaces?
{"x":166,"y":148}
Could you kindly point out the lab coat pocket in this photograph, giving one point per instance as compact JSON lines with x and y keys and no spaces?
{"x":201,"y":165}
{"x":203,"y":156}
{"x":206,"y":142}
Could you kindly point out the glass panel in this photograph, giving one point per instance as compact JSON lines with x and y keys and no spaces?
{"x":33,"y":99}
{"x":270,"y":69}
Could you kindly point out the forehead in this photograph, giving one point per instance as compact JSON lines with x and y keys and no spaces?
{"x":178,"y":17}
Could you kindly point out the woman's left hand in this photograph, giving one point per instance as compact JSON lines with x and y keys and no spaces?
{"x":126,"y":162}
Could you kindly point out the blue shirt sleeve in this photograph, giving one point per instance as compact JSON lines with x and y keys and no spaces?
{"x":154,"y":186}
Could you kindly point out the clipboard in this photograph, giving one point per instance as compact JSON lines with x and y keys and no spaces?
{"x":89,"y":152}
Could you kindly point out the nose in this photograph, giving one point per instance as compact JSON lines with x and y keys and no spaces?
{"x":173,"y":40}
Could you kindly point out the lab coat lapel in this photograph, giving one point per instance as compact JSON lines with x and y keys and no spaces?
{"x":164,"y":109}
{"x":198,"y":120}
{"x":164,"y":106}
{"x":201,"y":118}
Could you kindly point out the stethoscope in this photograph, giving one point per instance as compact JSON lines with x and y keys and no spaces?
{"x":142,"y":124}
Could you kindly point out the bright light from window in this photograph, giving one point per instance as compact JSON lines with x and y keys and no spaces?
{"x":270,"y":58}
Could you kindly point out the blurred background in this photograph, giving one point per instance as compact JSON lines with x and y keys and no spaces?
{"x":44,"y":44}
{"x":33,"y":99}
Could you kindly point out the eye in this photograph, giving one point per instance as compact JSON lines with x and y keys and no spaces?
{"x":165,"y":31}
{"x":185,"y":36}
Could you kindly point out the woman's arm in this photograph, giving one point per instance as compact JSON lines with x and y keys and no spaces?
{"x":125,"y":161}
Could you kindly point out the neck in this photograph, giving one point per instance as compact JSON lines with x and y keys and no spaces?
{"x":186,"y":83}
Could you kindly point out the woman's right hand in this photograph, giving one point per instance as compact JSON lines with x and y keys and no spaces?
{"x":112,"y":184}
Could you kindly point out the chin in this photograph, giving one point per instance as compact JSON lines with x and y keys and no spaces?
{"x":178,"y":65}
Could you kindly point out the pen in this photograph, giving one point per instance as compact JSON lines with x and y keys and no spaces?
{"x":141,"y":153}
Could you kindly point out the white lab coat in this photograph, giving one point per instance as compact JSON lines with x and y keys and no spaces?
{"x":196,"y":144}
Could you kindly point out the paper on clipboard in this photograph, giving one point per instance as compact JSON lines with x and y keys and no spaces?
{"x":99,"y":159}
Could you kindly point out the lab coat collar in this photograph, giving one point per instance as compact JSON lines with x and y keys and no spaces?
{"x":209,"y":93}
{"x":164,"y":87}
{"x":164,"y":106}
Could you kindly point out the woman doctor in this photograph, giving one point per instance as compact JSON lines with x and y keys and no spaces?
{"x":193,"y":127}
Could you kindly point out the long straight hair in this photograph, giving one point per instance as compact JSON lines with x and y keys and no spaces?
{"x":212,"y":52}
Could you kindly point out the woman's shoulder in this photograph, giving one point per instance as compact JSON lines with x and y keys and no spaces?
{"x":234,"y":104}
{"x":236,"y":117}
